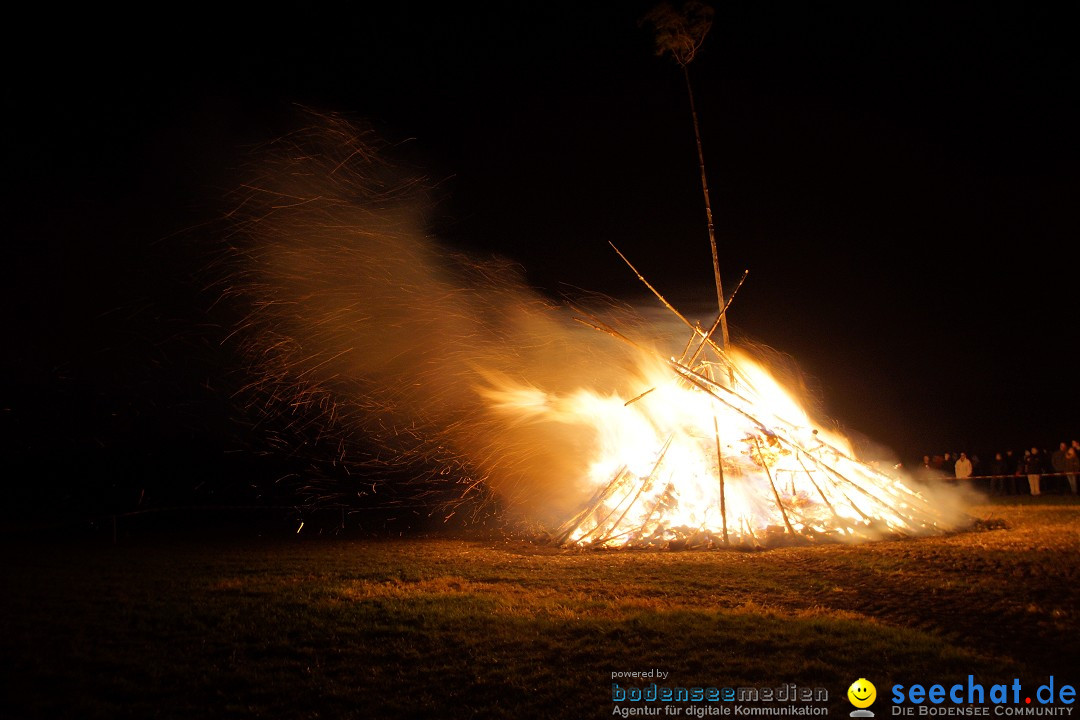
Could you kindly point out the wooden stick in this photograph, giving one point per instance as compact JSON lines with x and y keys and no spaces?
{"x":682,"y":368}
{"x":830,"y":469}
{"x":704,"y":383}
{"x":600,"y":524}
{"x":647,"y":482}
{"x":779,"y":504}
{"x":655,"y":292}
{"x":814,"y":483}
{"x":686,"y":349}
{"x":750,"y":530}
{"x":716,"y":324}
{"x":598,"y":497}
{"x":720,"y":472}
{"x":604,"y":327}
{"x":638,"y":397}
{"x":705,"y":192}
{"x":648,"y":518}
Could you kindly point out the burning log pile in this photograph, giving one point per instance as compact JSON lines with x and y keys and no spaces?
{"x":716,"y":452}
{"x":727,"y":458}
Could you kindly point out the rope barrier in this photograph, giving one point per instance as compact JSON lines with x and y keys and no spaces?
{"x":944,"y":476}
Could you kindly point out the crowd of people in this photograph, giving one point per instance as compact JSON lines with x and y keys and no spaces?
{"x":1009,"y":472}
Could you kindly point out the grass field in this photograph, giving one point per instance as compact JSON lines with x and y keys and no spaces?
{"x":452,"y":627}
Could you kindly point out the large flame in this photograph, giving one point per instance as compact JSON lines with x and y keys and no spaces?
{"x":367,"y":337}
{"x":716,"y":454}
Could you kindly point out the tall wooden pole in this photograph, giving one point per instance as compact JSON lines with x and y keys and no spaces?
{"x":708,"y":211}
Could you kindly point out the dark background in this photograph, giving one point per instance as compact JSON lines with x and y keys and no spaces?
{"x":900,"y":180}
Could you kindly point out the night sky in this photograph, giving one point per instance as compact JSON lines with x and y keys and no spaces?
{"x":900,"y":181}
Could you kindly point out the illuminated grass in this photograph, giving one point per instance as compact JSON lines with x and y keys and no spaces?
{"x":490,"y":628}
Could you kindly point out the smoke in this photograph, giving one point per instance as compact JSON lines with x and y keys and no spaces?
{"x":364,"y":334}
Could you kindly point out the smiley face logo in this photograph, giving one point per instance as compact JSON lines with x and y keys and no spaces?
{"x":862,"y":693}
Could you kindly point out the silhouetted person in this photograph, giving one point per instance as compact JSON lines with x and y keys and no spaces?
{"x":1016,"y":469}
{"x":1072,"y":467}
{"x":1057,"y":460}
{"x":926,"y":470}
{"x":998,"y":470}
{"x":948,"y":463}
{"x":1033,"y":467}
{"x":962,"y":467}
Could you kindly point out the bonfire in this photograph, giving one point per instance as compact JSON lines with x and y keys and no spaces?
{"x":434,"y":377}
{"x":715,"y":453}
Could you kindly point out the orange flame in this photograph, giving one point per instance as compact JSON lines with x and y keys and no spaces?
{"x":705,"y":461}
